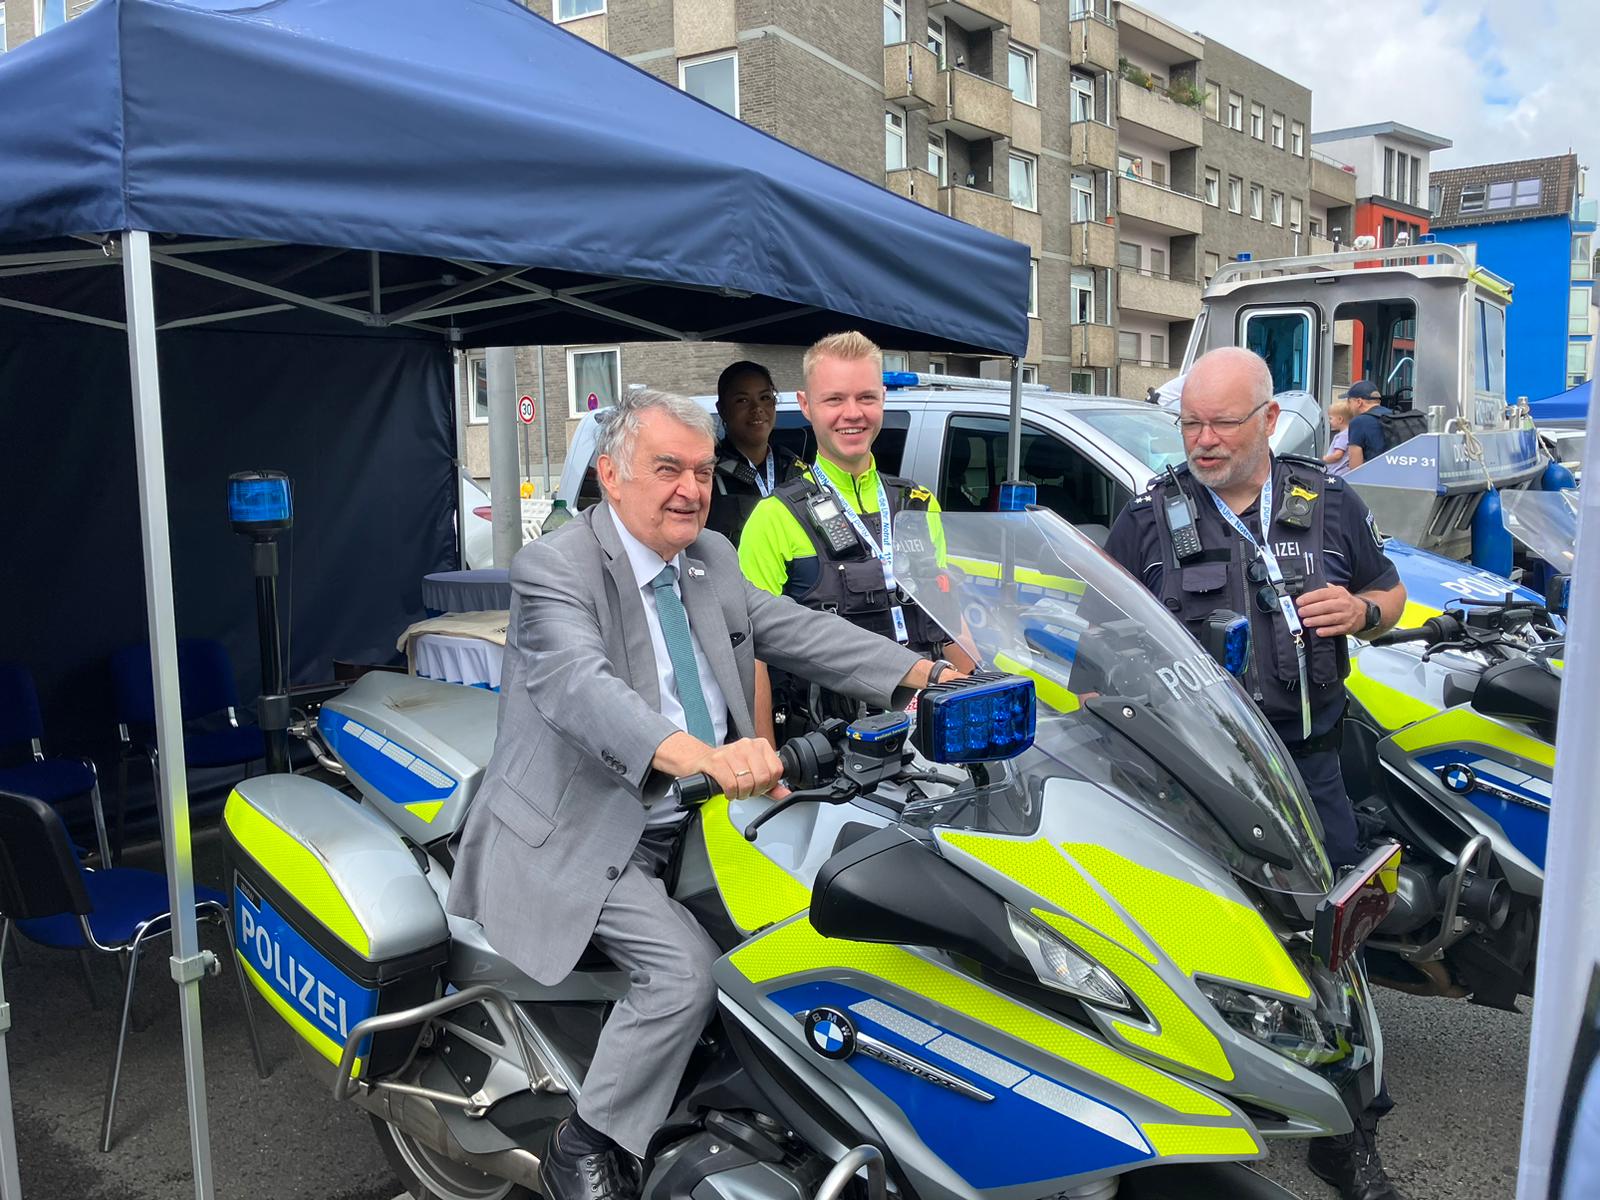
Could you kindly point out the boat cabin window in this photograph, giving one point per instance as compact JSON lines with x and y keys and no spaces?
{"x":1286,"y":338}
{"x":1488,"y":353}
{"x":1384,"y":348}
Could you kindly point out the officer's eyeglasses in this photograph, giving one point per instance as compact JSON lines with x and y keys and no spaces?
{"x":1222,"y":425}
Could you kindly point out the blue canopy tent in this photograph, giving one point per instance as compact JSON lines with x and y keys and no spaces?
{"x":1570,"y":405}
{"x":405,"y":173}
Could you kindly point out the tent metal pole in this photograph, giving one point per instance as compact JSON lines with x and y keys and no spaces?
{"x":544,"y":426}
{"x":10,"y":1181}
{"x":189,"y":962}
{"x":504,"y":480}
{"x":1014,"y":435}
{"x":375,"y":287}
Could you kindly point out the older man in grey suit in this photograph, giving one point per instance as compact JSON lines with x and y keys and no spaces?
{"x":630,"y":662}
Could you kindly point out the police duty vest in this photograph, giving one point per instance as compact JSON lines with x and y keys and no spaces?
{"x":1218,"y":578}
{"x":851,"y":585}
{"x":734,"y":493}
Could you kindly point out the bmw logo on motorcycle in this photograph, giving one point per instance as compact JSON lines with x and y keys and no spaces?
{"x":1458,"y":777}
{"x":830,"y":1033}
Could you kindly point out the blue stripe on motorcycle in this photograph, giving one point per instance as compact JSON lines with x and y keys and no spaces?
{"x":1526,"y":827}
{"x":395,"y":772}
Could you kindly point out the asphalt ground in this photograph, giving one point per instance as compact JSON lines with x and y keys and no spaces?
{"x":1456,"y":1072}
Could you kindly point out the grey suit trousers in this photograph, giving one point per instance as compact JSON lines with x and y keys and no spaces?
{"x":651,"y":1032}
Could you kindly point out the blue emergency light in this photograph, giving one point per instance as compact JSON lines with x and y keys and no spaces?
{"x":984,"y":718}
{"x":259,"y":502}
{"x":1243,"y":256}
{"x":1016,"y":496}
{"x":900,"y":379}
{"x":1236,"y":647}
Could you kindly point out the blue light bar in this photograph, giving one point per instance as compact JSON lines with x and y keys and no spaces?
{"x":983,"y":719}
{"x":1017,"y":497}
{"x":899,"y":379}
{"x":259,"y":501}
{"x":1244,"y":256}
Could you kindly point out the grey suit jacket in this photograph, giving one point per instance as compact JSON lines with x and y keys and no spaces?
{"x":562,"y":802}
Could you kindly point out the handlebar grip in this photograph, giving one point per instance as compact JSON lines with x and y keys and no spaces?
{"x":1443,"y":628}
{"x":700,"y":787}
{"x":1395,"y":636}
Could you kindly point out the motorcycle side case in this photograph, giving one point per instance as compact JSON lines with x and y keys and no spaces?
{"x":334,"y":917}
{"x":416,"y":748}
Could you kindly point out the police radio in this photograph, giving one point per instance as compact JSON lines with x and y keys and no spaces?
{"x":830,"y":521}
{"x":1179,"y":512}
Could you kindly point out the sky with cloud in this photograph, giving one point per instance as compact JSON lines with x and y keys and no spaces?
{"x":1508,"y":80}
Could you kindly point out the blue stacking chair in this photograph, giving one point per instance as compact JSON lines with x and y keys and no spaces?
{"x":208,"y":690}
{"x":53,"y":779}
{"x":48,"y":896}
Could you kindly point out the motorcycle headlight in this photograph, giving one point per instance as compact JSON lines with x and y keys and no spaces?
{"x":1292,"y":1031}
{"x":1062,"y":966}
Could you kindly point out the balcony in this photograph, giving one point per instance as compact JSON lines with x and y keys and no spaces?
{"x":983,"y":209}
{"x":971,"y":106}
{"x":911,"y":76}
{"x":1092,"y":144}
{"x":1094,"y":43}
{"x":1159,"y":118}
{"x":914,"y":184}
{"x":1159,"y":208}
{"x":1135,"y":379}
{"x":1093,"y":345}
{"x":1094,"y":244}
{"x":973,"y":15}
{"x":1333,"y":183}
{"x":1318,"y":245}
{"x":1143,"y":294}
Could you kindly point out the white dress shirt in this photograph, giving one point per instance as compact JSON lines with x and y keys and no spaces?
{"x":647,"y":565}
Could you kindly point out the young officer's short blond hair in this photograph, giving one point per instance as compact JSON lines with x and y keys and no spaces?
{"x":849,"y":346}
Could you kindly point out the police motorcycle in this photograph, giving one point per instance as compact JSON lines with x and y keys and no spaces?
{"x":1066,"y":930}
{"x":1449,"y":747}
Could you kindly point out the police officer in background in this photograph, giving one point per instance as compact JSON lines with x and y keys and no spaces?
{"x":1274,"y":538}
{"x":750,"y":465}
{"x":825,"y":538}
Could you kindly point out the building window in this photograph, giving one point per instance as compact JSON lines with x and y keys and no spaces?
{"x":1021,"y":65}
{"x":1213,"y":100}
{"x":1024,"y":168}
{"x":1582,"y":263}
{"x":1316,"y":226}
{"x":1158,"y":349}
{"x":1388,"y":231}
{"x":1435,"y":198}
{"x":1235,"y":194}
{"x":1082,"y":196}
{"x":1235,"y":111}
{"x":1213,"y":264}
{"x":1128,"y":254}
{"x":1277,"y":129}
{"x":1213,"y":187}
{"x":1258,"y":122}
{"x":1081,"y":383}
{"x":1158,"y":172}
{"x":1500,"y":194}
{"x":1081,"y":301}
{"x":714,"y":79}
{"x":1472,"y":199}
{"x":1082,"y":96}
{"x":1297,"y":215}
{"x":1128,"y":346}
{"x":896,"y":360}
{"x":1030,"y":374}
{"x":1297,"y":139}
{"x":1388,"y":171}
{"x":571,"y":10}
{"x":1255,"y":201}
{"x":477,"y":384}
{"x":938,"y":166}
{"x":1578,"y":310}
{"x":1577,"y":363}
{"x":894,"y":22}
{"x":1275,"y":209}
{"x":894,"y":141}
{"x":1033,"y":287}
{"x":1416,"y":180}
{"x":1528,"y":192}
{"x":1158,"y":262}
{"x":1130,"y":166}
{"x":594,"y":378}
{"x":936,"y":38}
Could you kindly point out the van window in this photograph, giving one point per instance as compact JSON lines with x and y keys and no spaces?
{"x":974,"y":464}
{"x":1284,"y":337}
{"x":793,"y":433}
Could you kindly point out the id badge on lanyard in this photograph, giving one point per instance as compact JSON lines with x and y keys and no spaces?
{"x":1269,"y":560}
{"x":884,"y":553}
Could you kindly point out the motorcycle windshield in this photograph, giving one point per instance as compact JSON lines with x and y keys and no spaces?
{"x":1545,"y":523}
{"x":1127,"y":699}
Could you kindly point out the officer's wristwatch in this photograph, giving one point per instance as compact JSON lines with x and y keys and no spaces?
{"x":1374,"y":617}
{"x":937,"y":671}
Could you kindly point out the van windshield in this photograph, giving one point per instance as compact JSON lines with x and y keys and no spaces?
{"x":1150,"y":436}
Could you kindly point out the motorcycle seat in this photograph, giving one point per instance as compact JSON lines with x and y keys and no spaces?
{"x":1519,"y":690}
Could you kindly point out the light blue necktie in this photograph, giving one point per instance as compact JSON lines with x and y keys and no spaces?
{"x":680,"y":649}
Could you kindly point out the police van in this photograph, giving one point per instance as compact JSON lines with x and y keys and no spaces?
{"x":1087,"y":455}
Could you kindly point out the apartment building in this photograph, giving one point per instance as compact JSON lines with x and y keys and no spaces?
{"x":1391,"y":164}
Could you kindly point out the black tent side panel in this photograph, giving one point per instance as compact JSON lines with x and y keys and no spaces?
{"x":363,"y":426}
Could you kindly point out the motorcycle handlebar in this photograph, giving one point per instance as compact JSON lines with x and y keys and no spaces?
{"x":1443,"y":628}
{"x":807,"y":761}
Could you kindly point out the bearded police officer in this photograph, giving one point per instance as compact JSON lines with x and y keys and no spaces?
{"x":1274,"y":538}
{"x":826,"y":538}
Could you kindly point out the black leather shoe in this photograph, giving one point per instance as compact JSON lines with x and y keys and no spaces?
{"x":567,"y":1175}
{"x":1350,"y":1162}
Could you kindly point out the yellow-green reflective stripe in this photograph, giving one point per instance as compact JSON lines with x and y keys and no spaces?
{"x":1388,"y":705}
{"x":796,"y":947}
{"x":1186,"y":1141}
{"x":984,"y":569}
{"x":427,"y":810}
{"x":1180,"y":1036}
{"x":297,"y":871}
{"x":1046,"y":689}
{"x":1458,"y":725}
{"x":1202,"y":933}
{"x":323,"y":1044}
{"x":756,"y":890}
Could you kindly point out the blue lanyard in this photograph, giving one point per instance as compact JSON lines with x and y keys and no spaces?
{"x":883,"y":553}
{"x":766,"y":488}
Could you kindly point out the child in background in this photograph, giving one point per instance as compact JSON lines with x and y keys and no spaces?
{"x":1338,"y":456}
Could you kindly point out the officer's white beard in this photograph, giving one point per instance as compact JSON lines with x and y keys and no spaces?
{"x":1235,"y":469}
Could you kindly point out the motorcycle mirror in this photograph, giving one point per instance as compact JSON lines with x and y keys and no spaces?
{"x":1558,"y":595}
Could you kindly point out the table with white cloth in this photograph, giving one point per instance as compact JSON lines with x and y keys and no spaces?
{"x":465,"y":648}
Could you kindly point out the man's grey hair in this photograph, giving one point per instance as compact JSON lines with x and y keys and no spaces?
{"x":619,"y":431}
